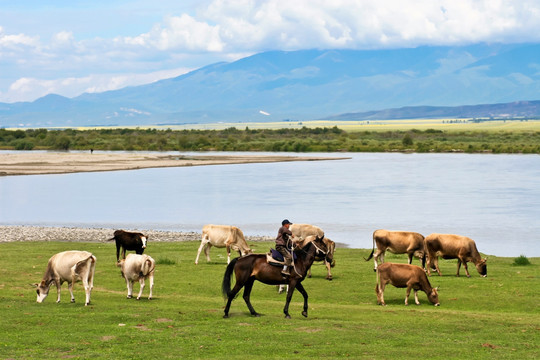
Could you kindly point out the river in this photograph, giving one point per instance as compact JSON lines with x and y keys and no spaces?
{"x":494,"y":199}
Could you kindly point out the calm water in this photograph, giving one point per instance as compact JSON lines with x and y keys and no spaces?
{"x":494,"y":199}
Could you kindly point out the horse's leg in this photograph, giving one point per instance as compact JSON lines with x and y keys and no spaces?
{"x":303,"y":291}
{"x":247,"y":292}
{"x":237,"y":287}
{"x":292,"y":286}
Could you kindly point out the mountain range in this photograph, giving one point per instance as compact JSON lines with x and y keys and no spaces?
{"x":313,"y":84}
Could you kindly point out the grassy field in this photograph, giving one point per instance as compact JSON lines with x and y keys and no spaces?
{"x":481,"y":318}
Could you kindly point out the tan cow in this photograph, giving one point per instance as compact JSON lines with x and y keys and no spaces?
{"x":302,"y":231}
{"x":221,"y":236}
{"x":70,"y":266}
{"x":397,"y":242}
{"x":404,"y":276}
{"x":450,"y":246}
{"x":137,"y":268}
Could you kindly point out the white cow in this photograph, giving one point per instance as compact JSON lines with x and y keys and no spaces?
{"x":70,"y":266}
{"x":302,"y":231}
{"x":221,"y":236}
{"x":138,"y":268}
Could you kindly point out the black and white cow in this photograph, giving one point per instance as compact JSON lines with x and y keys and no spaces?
{"x":126,"y":240}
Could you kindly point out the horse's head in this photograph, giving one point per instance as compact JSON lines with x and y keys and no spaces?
{"x":322,"y":249}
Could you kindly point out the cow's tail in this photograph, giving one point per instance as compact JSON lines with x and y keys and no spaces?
{"x":372,"y":251}
{"x":111,"y":239}
{"x":226,"y":285}
{"x":147,"y":266}
{"x":84,"y":264}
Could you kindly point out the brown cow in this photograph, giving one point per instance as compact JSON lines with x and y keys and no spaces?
{"x":397,"y":242}
{"x":221,"y":236}
{"x":450,"y":246}
{"x":404,"y":275}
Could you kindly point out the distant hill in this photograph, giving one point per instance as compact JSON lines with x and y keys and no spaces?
{"x":513,"y":110}
{"x":308,"y":84}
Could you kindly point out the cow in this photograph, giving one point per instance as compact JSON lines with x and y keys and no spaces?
{"x":70,"y":266}
{"x":137,"y":268}
{"x":397,"y":242}
{"x":308,"y":232}
{"x":449,"y":246}
{"x":302,"y":231}
{"x":404,"y":276}
{"x":220,"y":236}
{"x":129,"y":241}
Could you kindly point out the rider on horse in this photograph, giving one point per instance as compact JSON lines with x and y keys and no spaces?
{"x":283,"y":245}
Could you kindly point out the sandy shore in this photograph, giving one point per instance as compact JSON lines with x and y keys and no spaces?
{"x":68,"y":234}
{"x":36,"y":163}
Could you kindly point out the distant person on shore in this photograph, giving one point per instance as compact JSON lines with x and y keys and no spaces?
{"x":283,"y":245}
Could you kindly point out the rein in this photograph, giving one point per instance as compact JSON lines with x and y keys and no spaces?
{"x":305,"y":252}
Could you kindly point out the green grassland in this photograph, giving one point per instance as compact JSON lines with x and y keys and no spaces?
{"x":482,"y":318}
{"x":314,"y":136}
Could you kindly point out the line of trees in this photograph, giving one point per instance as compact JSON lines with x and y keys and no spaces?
{"x":279,"y":140}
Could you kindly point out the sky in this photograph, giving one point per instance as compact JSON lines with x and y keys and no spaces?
{"x":69,"y":47}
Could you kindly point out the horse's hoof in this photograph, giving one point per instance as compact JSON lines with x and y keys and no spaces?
{"x":304,"y":313}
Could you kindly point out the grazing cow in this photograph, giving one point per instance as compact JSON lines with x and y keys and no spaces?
{"x":401,"y":276}
{"x":137,"y":268}
{"x":397,"y":242}
{"x":70,"y":266}
{"x":129,"y":241}
{"x":302,"y":231}
{"x":221,"y":236}
{"x":450,"y":246}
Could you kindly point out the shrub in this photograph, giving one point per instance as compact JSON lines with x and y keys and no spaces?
{"x":521,"y":261}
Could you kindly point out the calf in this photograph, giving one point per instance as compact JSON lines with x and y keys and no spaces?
{"x":137,"y":268}
{"x":70,"y":266}
{"x":129,"y":241}
{"x":397,"y":242}
{"x":220,"y":236}
{"x":404,"y":275}
{"x":450,"y":246}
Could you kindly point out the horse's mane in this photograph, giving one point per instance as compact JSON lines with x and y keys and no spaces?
{"x":302,"y":251}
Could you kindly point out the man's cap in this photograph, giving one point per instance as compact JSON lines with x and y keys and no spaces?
{"x":285,"y":222}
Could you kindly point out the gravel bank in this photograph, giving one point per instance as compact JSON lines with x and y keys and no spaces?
{"x":38,"y":233}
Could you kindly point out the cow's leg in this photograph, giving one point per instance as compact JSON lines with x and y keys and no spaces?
{"x":123,"y":252}
{"x":70,"y":287}
{"x":466,"y":268}
{"x":379,"y":290}
{"x":117,"y":251}
{"x":228,"y":254}
{"x":151,"y":279}
{"x":459,"y":266}
{"x":201,"y":247}
{"x":303,"y":291}
{"x":410,"y":255}
{"x":416,"y":297}
{"x":129,"y":284}
{"x":436,"y":263}
{"x":328,"y":267}
{"x":247,"y":292}
{"x":141,"y":288}
{"x":407,"y":295}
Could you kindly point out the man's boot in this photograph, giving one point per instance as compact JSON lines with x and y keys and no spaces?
{"x":285,"y":271}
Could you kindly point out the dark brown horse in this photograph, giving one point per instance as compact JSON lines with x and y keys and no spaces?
{"x":255,"y":267}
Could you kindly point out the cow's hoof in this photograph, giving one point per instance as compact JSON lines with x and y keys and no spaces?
{"x":304,"y":313}
{"x":72,"y":300}
{"x":375,"y":270}
{"x":256,"y":314}
{"x":287,"y":316}
{"x":129,"y":297}
{"x":226,"y":316}
{"x":149,"y":298}
{"x":329,"y":278}
{"x":437,"y":304}
{"x":86,"y":304}
{"x":138,"y":298}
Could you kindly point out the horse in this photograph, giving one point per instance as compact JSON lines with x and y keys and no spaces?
{"x":253,"y":267}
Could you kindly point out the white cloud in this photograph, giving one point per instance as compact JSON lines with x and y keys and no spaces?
{"x":226,"y":30}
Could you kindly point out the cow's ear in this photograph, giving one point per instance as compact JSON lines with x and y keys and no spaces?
{"x":34,"y":285}
{"x":438,"y":288}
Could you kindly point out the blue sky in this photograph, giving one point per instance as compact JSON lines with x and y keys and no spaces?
{"x":71,"y":47}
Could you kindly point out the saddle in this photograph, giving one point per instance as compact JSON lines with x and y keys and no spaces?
{"x":275,"y":258}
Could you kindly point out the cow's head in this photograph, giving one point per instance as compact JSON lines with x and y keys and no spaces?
{"x":144,"y":239}
{"x":433,"y":296}
{"x":246,"y":251}
{"x":481,"y":267}
{"x":42,"y":291}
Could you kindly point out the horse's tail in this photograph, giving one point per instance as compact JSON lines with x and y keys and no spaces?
{"x":226,"y":285}
{"x":372,"y":250}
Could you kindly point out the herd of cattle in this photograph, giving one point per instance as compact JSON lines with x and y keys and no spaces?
{"x":74,"y":266}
